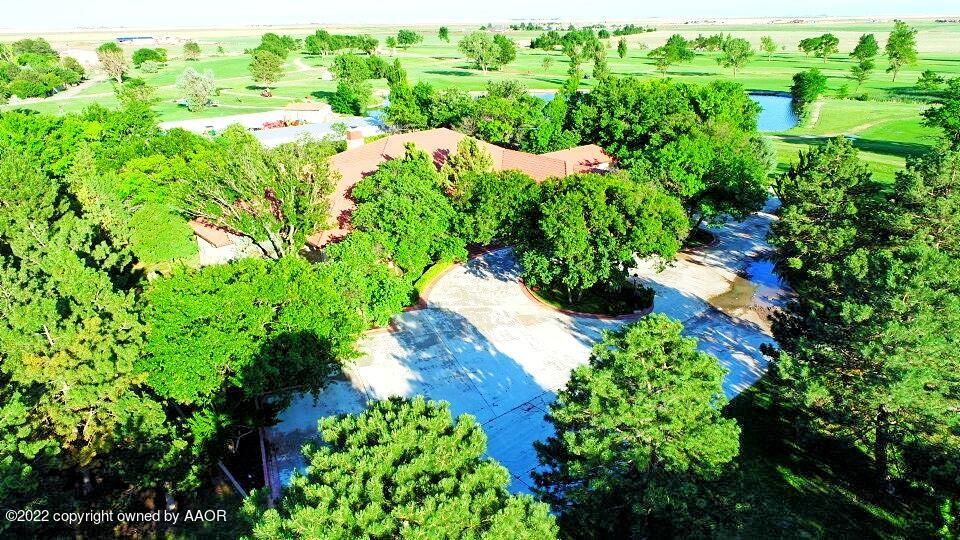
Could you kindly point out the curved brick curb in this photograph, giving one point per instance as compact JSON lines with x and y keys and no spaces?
{"x":626,"y":317}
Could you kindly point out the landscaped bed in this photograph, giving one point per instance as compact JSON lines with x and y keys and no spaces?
{"x":598,"y":300}
{"x":430,"y":275}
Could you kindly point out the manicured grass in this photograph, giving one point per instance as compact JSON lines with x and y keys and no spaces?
{"x":597,"y":300}
{"x":430,"y":275}
{"x":887,"y":128}
{"x":788,"y":486}
{"x":884,"y":132}
{"x":441,"y":64}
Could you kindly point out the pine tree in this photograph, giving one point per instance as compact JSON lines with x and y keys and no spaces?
{"x":402,"y":469}
{"x":639,"y":437}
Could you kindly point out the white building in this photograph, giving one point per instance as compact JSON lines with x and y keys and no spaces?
{"x":314,"y":114}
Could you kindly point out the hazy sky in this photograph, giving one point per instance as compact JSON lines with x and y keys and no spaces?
{"x":20,"y":15}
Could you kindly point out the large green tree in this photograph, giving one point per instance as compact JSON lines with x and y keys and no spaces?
{"x":870,"y":345}
{"x":901,"y":47}
{"x":698,"y":142}
{"x":351,"y":97}
{"x":112,"y":60}
{"x":828,"y":45}
{"x":768,"y":46}
{"x":494,"y":206}
{"x":867,"y":48}
{"x":191,"y":51}
{"x":675,"y":51}
{"x":407,"y":38}
{"x":735,"y":54}
{"x":639,"y":437}
{"x":587,"y":228}
{"x":254,"y":326}
{"x":266,"y":67}
{"x":864,"y":53}
{"x":946,"y":115}
{"x":274,"y":197}
{"x":401,"y":469}
{"x":71,"y":394}
{"x":197,"y":88}
{"x":481,"y":48}
{"x":404,"y":202}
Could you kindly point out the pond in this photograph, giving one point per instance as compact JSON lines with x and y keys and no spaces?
{"x":776,"y":112}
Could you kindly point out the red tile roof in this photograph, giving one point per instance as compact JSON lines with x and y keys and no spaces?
{"x":353,"y":165}
{"x":587,"y":158}
{"x":216,"y":236}
{"x":357,"y":163}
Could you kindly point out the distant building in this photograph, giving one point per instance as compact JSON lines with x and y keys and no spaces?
{"x":136,"y":40}
{"x":315,"y":113}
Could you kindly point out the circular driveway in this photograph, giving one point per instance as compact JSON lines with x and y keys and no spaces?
{"x":489,"y":350}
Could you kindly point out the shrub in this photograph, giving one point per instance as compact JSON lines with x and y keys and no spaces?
{"x":807,"y":87}
{"x":150,"y":66}
{"x":27,"y":88}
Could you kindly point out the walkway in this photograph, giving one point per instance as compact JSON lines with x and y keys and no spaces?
{"x":485,"y":347}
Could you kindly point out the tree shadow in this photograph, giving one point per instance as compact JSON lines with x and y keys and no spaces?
{"x":324,"y":95}
{"x":796,"y":482}
{"x":500,"y":265}
{"x":914,"y":93}
{"x":890,"y":148}
{"x":442,"y":355}
{"x":451,"y":72}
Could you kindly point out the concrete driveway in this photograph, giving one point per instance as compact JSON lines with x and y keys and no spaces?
{"x":490,"y":351}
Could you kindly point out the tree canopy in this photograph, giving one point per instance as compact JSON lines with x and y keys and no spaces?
{"x":266,"y":67}
{"x":869,"y":347}
{"x":587,"y":228}
{"x":901,"y":47}
{"x":407,"y":38}
{"x":946,"y":115}
{"x":486,"y":51}
{"x":403,"y":202}
{"x":735,"y":54}
{"x":276,"y":198}
{"x":254,"y":326}
{"x":675,"y":51}
{"x":699,"y":142}
{"x":197,"y":88}
{"x":639,"y":437}
{"x":71,"y":396}
{"x":402,"y":468}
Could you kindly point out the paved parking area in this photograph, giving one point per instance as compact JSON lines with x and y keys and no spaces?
{"x":490,"y":351}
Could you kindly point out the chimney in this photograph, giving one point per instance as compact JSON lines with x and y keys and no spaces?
{"x":354,"y":138}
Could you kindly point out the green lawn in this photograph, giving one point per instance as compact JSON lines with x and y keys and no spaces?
{"x":884,"y":132}
{"x":442,"y":64}
{"x":886,"y":128}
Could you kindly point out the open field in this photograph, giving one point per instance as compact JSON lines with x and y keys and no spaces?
{"x":887,"y":126}
{"x":440,"y":63}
